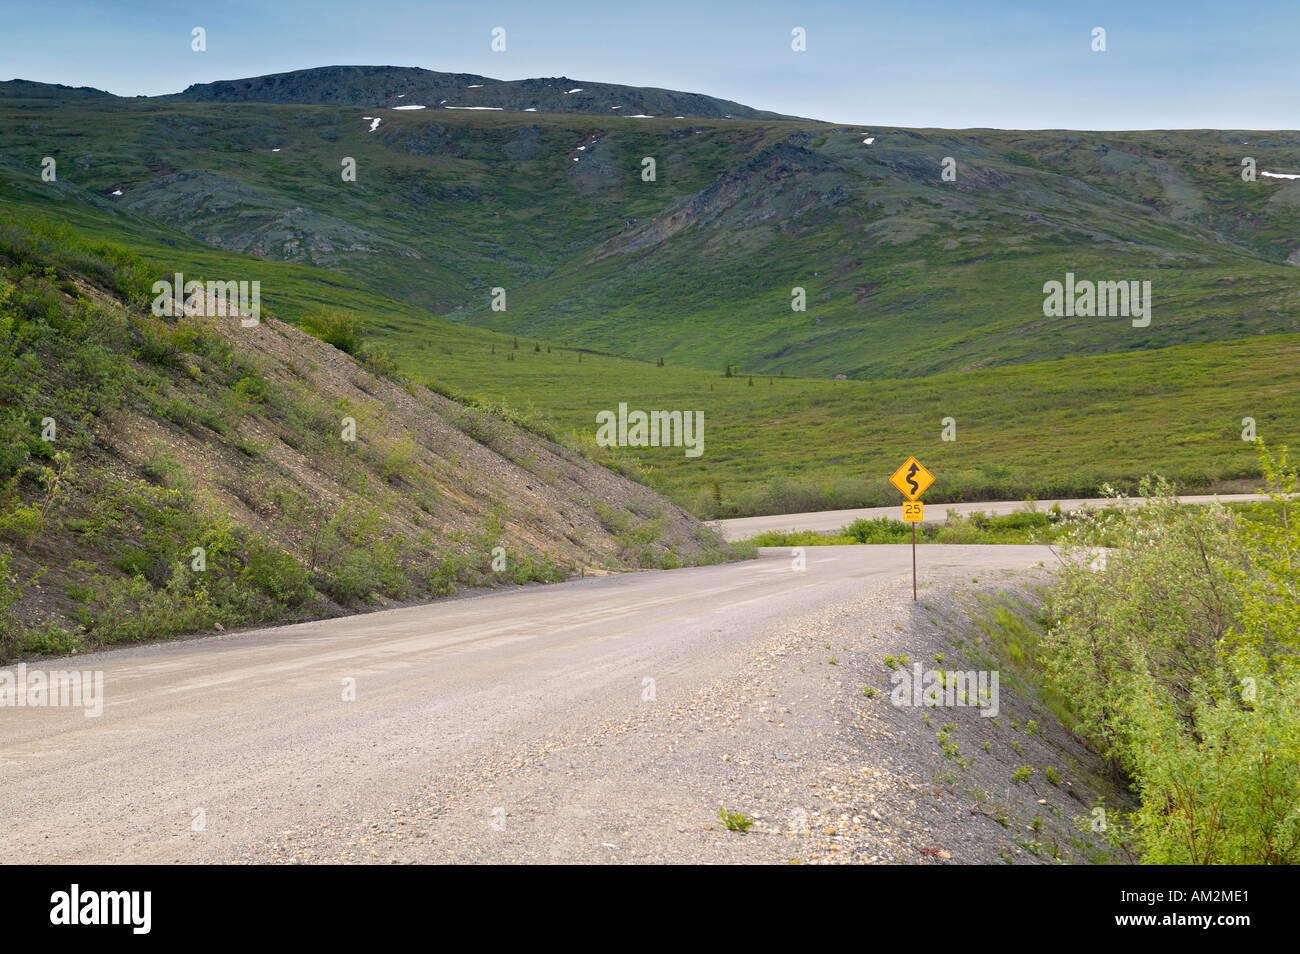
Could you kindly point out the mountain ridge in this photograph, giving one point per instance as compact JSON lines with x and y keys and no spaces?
{"x":397,"y":87}
{"x":383,"y":87}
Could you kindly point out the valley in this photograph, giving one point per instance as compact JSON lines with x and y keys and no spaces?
{"x":619,"y":288}
{"x":412,"y":466}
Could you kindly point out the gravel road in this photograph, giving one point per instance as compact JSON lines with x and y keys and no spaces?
{"x":600,"y":720}
{"x":828,"y":521}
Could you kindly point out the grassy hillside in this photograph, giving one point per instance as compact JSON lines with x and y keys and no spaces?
{"x":908,"y":275}
{"x":783,"y":444}
{"x":905,"y":274}
{"x":441,"y":210}
{"x":787,"y":443}
{"x":163,"y":476}
{"x":925,"y":293}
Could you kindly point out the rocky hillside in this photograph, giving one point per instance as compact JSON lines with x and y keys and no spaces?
{"x":409,"y":87}
{"x":173,"y":475}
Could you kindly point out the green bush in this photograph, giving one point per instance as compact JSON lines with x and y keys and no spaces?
{"x":132,"y":609}
{"x":378,"y":361}
{"x":277,"y":574}
{"x":356,"y":559}
{"x":341,"y":329}
{"x":10,"y":592}
{"x":442,"y":578}
{"x":1179,"y":654}
{"x":735,"y":821}
{"x":878,"y":530}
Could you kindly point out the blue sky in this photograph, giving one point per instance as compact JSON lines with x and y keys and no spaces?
{"x":1005,"y":64}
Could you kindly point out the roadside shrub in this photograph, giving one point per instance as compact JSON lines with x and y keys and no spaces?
{"x":277,"y":574}
{"x":132,"y":609}
{"x":530,"y":569}
{"x":354,"y":558}
{"x":878,"y":530}
{"x":1178,"y":648}
{"x":442,"y":578}
{"x":14,"y":435}
{"x":10,"y":591}
{"x":1159,"y":598}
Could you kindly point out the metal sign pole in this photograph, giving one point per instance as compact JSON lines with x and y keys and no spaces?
{"x":913,"y":563}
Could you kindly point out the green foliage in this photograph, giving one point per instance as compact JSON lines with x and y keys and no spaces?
{"x":1218,"y":779}
{"x":534,"y":569}
{"x":163,"y":469}
{"x":878,"y":530}
{"x":1181,"y":658}
{"x":270,"y":570}
{"x":341,"y":329}
{"x":735,"y":821}
{"x":1161,"y":599}
{"x":395,"y":459}
{"x":47,"y":639}
{"x":377,"y":360}
{"x":246,"y":579}
{"x":20,"y":520}
{"x":43,"y":239}
{"x":976,"y":527}
{"x":443,"y":575}
{"x":473,"y":422}
{"x":636,"y":531}
{"x":133,"y":609}
{"x":10,"y":593}
{"x":350,"y":551}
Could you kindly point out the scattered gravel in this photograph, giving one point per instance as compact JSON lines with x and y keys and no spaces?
{"x":828,"y":774}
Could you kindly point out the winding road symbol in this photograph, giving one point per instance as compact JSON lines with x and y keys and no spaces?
{"x":912,"y":479}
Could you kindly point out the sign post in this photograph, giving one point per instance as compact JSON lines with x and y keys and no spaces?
{"x":912,"y":480}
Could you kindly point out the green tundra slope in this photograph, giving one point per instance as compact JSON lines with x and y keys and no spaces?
{"x":905,"y":274}
{"x":1046,"y":429}
{"x":926,"y":294}
{"x":786,"y":443}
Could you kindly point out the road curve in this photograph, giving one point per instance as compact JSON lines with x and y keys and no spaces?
{"x":209,"y":747}
{"x":828,"y":521}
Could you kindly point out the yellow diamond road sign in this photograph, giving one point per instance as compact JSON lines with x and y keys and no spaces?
{"x":912,"y":479}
